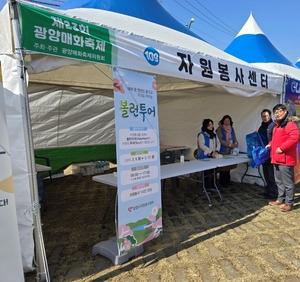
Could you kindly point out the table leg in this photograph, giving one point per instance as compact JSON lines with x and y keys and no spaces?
{"x":190,"y":186}
{"x":216,"y":186}
{"x":203,"y":187}
{"x":247,"y":166}
{"x":174,"y":182}
{"x":204,"y":190}
{"x":107,"y":206}
{"x":259,"y":173}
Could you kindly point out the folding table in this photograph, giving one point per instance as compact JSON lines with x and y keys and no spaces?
{"x":166,"y":171}
{"x":41,"y":168}
{"x":109,"y":248}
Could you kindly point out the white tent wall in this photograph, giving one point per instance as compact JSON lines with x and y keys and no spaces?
{"x":181,"y":119}
{"x":18,"y":139}
{"x":69,"y":116}
{"x":86,"y":116}
{"x":11,"y":268}
{"x":5,"y":34}
{"x":71,"y":125}
{"x":181,"y":114}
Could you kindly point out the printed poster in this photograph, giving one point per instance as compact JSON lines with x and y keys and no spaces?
{"x":11,"y":268}
{"x":292,"y":95}
{"x":138,"y":159}
{"x":292,"y":91}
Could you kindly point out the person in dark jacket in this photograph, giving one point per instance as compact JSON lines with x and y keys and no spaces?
{"x":266,"y":129}
{"x":284,"y":155}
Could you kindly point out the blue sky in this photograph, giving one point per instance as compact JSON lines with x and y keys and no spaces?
{"x":218,"y":21}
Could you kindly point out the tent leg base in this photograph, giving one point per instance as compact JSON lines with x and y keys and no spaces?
{"x":109,"y":249}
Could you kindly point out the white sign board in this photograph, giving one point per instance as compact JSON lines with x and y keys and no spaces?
{"x":138,"y":159}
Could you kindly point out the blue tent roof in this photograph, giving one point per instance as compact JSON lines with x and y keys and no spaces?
{"x":149,"y":10}
{"x":2,"y":3}
{"x":252,"y":46}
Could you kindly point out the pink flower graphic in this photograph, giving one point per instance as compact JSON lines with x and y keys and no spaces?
{"x":127,"y":244}
{"x":118,"y":85}
{"x":154,"y":85}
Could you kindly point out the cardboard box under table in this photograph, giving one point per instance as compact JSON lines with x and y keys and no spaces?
{"x":83,"y":169}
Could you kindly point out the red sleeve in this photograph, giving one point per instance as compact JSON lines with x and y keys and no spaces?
{"x":292,"y":132}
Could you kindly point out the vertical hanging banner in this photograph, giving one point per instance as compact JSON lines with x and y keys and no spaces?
{"x":292,"y":91}
{"x":292,"y":98}
{"x":297,"y":166}
{"x":11,"y":268}
{"x":137,"y":142}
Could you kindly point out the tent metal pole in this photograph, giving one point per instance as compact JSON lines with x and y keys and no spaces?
{"x":282,"y":96}
{"x":41,"y":260}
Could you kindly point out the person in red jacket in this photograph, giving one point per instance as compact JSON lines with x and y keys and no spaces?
{"x":284,"y":155}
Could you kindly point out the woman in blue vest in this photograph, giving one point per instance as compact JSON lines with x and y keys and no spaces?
{"x":208,"y":147}
{"x":227,"y":137}
{"x":208,"y":143}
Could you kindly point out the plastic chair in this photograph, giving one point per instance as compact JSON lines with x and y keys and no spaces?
{"x":196,"y":154}
{"x":47,"y":164}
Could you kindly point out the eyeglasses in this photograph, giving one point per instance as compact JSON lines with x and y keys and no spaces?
{"x":276,"y":113}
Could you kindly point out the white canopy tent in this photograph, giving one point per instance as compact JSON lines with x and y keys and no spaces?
{"x":97,"y":76}
{"x":253,"y":46}
{"x":64,"y":90}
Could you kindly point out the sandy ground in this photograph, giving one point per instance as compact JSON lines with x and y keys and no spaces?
{"x":243,"y":239}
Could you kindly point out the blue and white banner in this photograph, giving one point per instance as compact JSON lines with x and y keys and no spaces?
{"x":138,"y":159}
{"x":292,"y":94}
{"x":292,"y":90}
{"x":153,"y":57}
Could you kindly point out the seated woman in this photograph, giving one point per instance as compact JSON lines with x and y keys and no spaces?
{"x":227,"y":137}
{"x":208,"y":143}
{"x":208,"y":147}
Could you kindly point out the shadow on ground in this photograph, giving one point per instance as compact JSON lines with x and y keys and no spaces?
{"x":242,"y":239}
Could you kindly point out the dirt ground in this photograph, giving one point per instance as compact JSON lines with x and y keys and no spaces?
{"x":242,"y":239}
